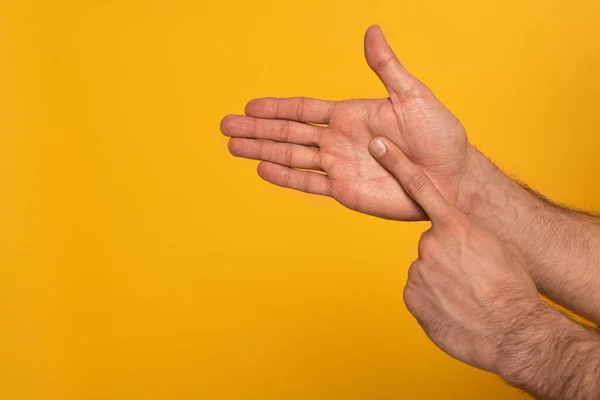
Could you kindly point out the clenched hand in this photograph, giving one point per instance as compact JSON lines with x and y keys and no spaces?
{"x":467,"y":290}
{"x":320,"y":146}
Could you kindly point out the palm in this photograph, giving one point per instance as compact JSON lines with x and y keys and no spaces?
{"x":359,"y":182}
{"x":411,"y":117}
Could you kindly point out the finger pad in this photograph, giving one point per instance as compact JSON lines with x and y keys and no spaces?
{"x":237,"y":147}
{"x":227,"y":125}
{"x":258,"y":107}
{"x":269,"y":171}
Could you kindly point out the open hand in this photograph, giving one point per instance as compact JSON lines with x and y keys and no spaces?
{"x":320,"y":146}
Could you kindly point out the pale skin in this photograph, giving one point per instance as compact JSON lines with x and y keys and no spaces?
{"x":513,"y":236}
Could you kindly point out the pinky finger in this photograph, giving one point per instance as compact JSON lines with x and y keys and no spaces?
{"x":304,"y":181}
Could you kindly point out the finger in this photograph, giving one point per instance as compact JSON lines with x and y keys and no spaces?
{"x":413,"y":179}
{"x":301,"y":109}
{"x":382,"y":60}
{"x":278,"y":130}
{"x":304,"y":181}
{"x":291,"y":155}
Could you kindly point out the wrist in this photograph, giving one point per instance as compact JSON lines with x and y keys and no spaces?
{"x":482,"y":188}
{"x":526,"y":333}
{"x":493,"y":200}
{"x":475,"y":174}
{"x":550,"y":356}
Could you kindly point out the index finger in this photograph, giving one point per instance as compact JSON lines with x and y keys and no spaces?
{"x":413,"y":180}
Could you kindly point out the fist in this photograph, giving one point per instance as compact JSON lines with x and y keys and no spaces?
{"x":467,"y":289}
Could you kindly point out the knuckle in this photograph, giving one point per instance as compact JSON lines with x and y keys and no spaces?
{"x":381,"y":65}
{"x":284,"y":131}
{"x":253,"y":130}
{"x":316,"y":136}
{"x":412,"y":294}
{"x":455,"y":226}
{"x":260,"y":150}
{"x":287,"y":154}
{"x":410,"y":300}
{"x":413,"y":273}
{"x":417,"y":91}
{"x":300,"y":108}
{"x":287,"y":178}
{"x":416,"y":183}
{"x":275,"y":107}
{"x":316,"y":159}
{"x":414,"y":301}
{"x":449,"y":221}
{"x":305,"y":182}
{"x":393,"y":160}
{"x":426,"y":244}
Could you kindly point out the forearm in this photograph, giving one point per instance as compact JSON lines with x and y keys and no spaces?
{"x":550,"y":356}
{"x":561,"y":246}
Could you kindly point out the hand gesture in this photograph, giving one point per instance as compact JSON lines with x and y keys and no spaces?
{"x":467,"y":289}
{"x":320,"y":146}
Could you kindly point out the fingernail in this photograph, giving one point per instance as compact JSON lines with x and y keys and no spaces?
{"x":377,"y":148}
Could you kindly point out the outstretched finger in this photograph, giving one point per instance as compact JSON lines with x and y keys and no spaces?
{"x":279,"y":130}
{"x":301,"y":109}
{"x":288,"y":154}
{"x":304,"y":181}
{"x":382,"y":60}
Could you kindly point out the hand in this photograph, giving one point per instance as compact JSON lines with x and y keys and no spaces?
{"x":467,"y":290}
{"x":429,"y":135}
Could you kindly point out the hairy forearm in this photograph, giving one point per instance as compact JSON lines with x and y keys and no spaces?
{"x":561,"y":246}
{"x":550,"y":356}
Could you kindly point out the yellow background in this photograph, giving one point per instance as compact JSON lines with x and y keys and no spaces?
{"x":138,"y":260}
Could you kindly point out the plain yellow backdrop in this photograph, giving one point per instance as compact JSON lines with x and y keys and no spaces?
{"x":138,"y":260}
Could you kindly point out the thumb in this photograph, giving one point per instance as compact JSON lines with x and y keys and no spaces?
{"x":413,"y":179}
{"x":383,"y":62}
